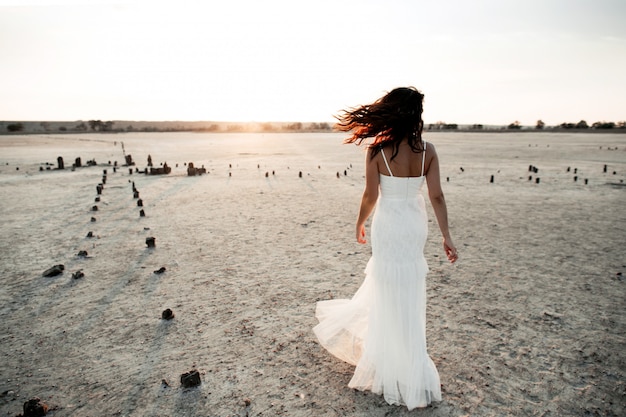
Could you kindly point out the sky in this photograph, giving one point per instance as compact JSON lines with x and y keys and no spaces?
{"x":476,"y":61}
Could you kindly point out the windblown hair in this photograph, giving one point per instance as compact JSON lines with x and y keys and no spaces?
{"x":390,"y":119}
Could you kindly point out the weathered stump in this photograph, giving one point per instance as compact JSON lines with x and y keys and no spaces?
{"x":35,"y":408}
{"x":190,"y":379}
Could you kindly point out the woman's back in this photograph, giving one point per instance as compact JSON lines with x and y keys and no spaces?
{"x":407,"y":162}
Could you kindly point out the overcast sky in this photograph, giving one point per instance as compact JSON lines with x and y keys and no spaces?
{"x":476,"y":61}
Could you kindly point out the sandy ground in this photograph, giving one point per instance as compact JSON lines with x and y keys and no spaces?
{"x":531,"y":321}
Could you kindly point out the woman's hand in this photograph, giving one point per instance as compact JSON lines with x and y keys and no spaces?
{"x":450,"y":250}
{"x":360,"y":233}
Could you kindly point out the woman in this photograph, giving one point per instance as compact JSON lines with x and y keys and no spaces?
{"x":382,"y":329}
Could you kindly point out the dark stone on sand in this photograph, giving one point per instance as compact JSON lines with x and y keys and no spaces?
{"x":345,"y":172}
{"x":160,"y":270}
{"x":605,"y":168}
{"x":104,"y":179}
{"x":97,"y":200}
{"x":54,"y":271}
{"x":142,"y":213}
{"x":136,"y":194}
{"x":82,"y":254}
{"x":300,"y":174}
{"x":530,"y":178}
{"x":94,"y":208}
{"x":130,"y":171}
{"x":77,"y":162}
{"x":267,"y":174}
{"x":151,"y":242}
{"x":167,"y":314}
{"x":78,"y":274}
{"x":491,"y":180}
{"x":338,"y":176}
{"x":536,"y":180}
{"x":99,"y":189}
{"x":575,"y":178}
{"x":90,"y":234}
{"x":40,"y":168}
{"x":93,"y":219}
{"x":140,"y":203}
{"x":35,"y":408}
{"x":190,"y":379}
{"x":586,"y":181}
{"x":60,"y":163}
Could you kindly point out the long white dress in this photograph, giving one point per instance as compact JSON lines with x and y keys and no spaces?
{"x":382,"y":329}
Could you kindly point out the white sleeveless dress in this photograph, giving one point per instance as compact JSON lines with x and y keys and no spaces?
{"x":382,"y":329}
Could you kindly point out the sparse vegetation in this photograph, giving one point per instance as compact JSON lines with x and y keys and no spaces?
{"x":274,"y":127}
{"x":15,"y":127}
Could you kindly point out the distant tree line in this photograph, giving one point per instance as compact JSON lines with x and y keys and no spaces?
{"x":584,"y":125}
{"x":108,"y":126}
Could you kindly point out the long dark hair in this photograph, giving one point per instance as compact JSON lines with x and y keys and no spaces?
{"x":390,"y":119}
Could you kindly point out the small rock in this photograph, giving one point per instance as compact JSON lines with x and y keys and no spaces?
{"x":54,"y":271}
{"x":150,"y":241}
{"x":93,"y":219}
{"x":190,"y":379}
{"x":167,"y":314}
{"x":82,"y":254}
{"x":90,"y":234}
{"x":247,"y":402}
{"x":160,"y":270}
{"x":35,"y":408}
{"x":78,"y":274}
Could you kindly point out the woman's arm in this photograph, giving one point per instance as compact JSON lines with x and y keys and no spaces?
{"x":370,"y":195}
{"x":438,"y":202}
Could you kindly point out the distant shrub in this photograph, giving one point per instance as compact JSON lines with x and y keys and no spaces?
{"x":15,"y":127}
{"x":603,"y":125}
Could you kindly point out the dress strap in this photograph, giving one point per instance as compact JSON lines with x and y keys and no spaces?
{"x":385,"y":159}
{"x":423,"y":158}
